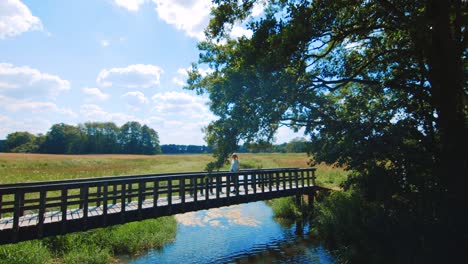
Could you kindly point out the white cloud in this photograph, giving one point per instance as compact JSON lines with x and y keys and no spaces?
{"x":95,"y":94}
{"x":182,"y":75}
{"x":285,"y":134}
{"x":190,"y":16}
{"x":180,"y":103}
{"x":179,"y":117}
{"x":26,"y":82}
{"x":132,"y":76}
{"x":258,"y":8}
{"x":33,"y":125}
{"x":130,"y":5}
{"x":105,"y":43}
{"x":178,"y":81}
{"x":16,"y":18}
{"x":239,"y":31}
{"x":92,"y":112}
{"x":135,"y":99}
{"x":35,"y":107}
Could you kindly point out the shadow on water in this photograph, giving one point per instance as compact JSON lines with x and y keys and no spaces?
{"x":245,"y":233}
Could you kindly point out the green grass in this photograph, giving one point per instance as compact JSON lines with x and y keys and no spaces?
{"x":95,"y":246}
{"x":31,"y":252}
{"x":40,"y":167}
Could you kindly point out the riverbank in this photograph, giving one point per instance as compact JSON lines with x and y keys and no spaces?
{"x":95,"y":246}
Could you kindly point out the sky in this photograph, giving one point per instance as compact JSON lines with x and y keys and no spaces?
{"x":78,"y":61}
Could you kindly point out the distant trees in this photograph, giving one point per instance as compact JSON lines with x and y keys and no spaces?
{"x":131,"y":138}
{"x":297,"y":145}
{"x":184,"y":149}
{"x":93,"y":137}
{"x":22,"y":142}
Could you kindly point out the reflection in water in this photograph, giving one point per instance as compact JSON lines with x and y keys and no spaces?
{"x":243,"y":233}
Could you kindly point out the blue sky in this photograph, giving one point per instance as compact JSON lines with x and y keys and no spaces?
{"x":76,"y":61}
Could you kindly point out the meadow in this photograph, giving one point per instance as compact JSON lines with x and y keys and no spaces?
{"x":17,"y":167}
{"x":104,"y":245}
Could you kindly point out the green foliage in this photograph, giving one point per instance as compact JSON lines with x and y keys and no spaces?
{"x":22,"y":142}
{"x":378,"y":86}
{"x":285,"y":208}
{"x":31,"y":252}
{"x":130,"y":238}
{"x":362,"y":232}
{"x":297,"y":145}
{"x":131,"y":138}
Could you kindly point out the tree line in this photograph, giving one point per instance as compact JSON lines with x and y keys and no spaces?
{"x":131,"y":138}
{"x":87,"y":138}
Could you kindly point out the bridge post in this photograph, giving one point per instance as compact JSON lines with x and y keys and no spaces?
{"x":218,"y":186}
{"x":42,"y":207}
{"x":104,"y":203}
{"x":310,"y":199}
{"x":298,"y":199}
{"x":23,"y":196}
{"x":155,"y":193}
{"x":122,"y":202}
{"x":63,"y":209}
{"x":141,"y":197}
{"x":85,"y":190}
{"x":207,"y":189}
{"x":16,"y":214}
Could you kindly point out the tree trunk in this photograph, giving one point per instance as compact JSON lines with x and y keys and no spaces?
{"x":446,"y":76}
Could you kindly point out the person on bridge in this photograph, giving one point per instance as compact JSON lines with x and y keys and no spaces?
{"x":235,"y":168}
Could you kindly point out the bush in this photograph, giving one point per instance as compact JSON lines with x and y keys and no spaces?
{"x":285,"y":208}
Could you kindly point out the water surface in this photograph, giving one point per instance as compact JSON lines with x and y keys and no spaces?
{"x":245,"y":233}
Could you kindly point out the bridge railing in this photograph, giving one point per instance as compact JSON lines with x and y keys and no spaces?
{"x":61,"y":201}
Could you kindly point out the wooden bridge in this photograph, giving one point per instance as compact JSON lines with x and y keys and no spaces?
{"x":39,"y":209}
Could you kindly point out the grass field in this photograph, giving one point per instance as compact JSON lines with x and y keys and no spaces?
{"x":15,"y":167}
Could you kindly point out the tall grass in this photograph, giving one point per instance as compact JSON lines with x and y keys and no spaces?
{"x":31,"y":252}
{"x":16,"y":167}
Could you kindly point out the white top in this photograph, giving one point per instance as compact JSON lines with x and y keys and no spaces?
{"x":234,"y":165}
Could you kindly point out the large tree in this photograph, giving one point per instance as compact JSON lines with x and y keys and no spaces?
{"x":379,"y":86}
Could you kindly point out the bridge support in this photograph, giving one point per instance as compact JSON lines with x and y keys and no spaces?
{"x":310,"y":197}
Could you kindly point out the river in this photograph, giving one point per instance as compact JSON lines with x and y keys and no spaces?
{"x":245,"y":233}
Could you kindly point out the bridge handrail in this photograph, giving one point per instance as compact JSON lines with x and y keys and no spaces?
{"x":121,"y":179}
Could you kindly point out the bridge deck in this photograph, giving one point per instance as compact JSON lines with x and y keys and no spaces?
{"x":73,"y":214}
